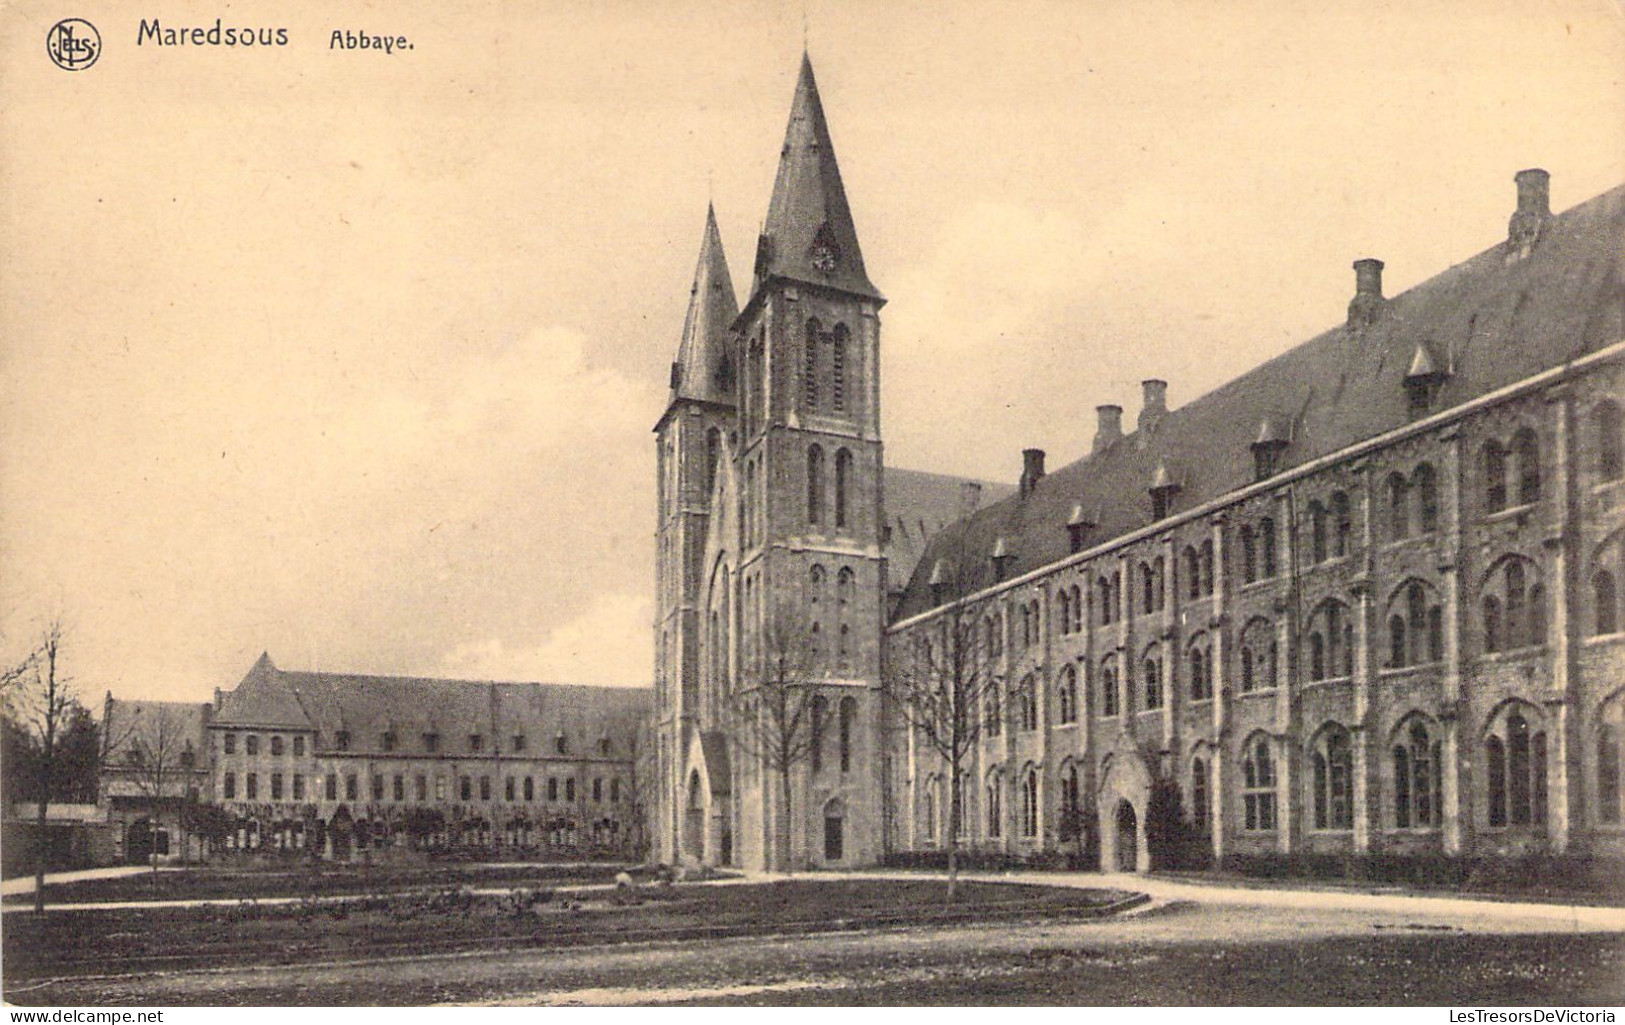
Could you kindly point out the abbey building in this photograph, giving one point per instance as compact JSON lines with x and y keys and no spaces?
{"x":1363,"y":599}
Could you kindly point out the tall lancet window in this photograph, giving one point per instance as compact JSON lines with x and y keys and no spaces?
{"x":815,"y":483}
{"x":843,"y":484}
{"x":838,"y":369}
{"x":809,"y":364}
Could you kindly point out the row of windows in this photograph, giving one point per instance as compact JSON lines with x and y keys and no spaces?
{"x":395,"y":789}
{"x":390,"y":741}
{"x":1413,"y":504}
{"x":1515,"y":784}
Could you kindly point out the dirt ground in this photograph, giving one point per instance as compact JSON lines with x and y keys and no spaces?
{"x":1172,"y":953}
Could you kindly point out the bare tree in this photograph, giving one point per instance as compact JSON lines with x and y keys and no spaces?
{"x":39,"y":695}
{"x":160,"y":760}
{"x":641,"y":780}
{"x":778,"y":714}
{"x":949,"y":689}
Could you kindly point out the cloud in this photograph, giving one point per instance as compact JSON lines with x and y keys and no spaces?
{"x":607,"y":643}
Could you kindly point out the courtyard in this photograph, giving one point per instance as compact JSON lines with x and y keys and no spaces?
{"x":815,"y":939}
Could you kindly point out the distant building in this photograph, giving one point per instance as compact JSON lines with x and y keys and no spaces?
{"x":332,"y":762}
{"x":154,"y":762}
{"x":1364,"y":599}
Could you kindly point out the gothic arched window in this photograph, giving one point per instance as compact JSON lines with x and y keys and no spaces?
{"x":1399,"y":517}
{"x":1258,"y":785}
{"x":1605,"y":602}
{"x":1108,"y":687}
{"x":1416,"y":779}
{"x":1317,"y":532}
{"x":1495,"y":476}
{"x":1608,"y":764}
{"x":837,"y":375}
{"x":1343,"y":524}
{"x":843,"y":485}
{"x":1526,"y":449}
{"x":1426,"y":485}
{"x":1515,"y":769}
{"x":1606,"y":434}
{"x":1333,"y":761}
{"x":1151,"y":676}
{"x":815,"y":483}
{"x":809,"y":365}
{"x":1199,"y":799}
{"x":1029,"y":803}
{"x":820,"y":719}
{"x":1066,"y":696}
{"x":849,"y":719}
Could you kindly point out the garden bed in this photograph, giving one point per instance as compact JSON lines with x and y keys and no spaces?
{"x":139,"y":939}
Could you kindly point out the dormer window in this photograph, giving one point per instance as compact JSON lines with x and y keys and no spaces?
{"x":518,"y":742}
{"x":1001,"y":559}
{"x":561,"y":744}
{"x":1423,"y":381}
{"x":1163,"y":489}
{"x":431,"y":742}
{"x":1078,"y":526}
{"x":341,"y":740}
{"x":1269,"y":448}
{"x":389,"y":740}
{"x":476,"y":742}
{"x":939,"y":581}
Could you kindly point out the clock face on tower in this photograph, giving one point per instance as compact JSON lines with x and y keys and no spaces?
{"x":824,"y":257}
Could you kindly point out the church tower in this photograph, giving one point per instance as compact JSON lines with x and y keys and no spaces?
{"x":808,"y":469}
{"x":691,"y":441}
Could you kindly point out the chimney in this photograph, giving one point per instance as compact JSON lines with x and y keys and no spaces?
{"x":1032,"y":471}
{"x":1368,"y":300}
{"x":970,"y":498}
{"x":1534,"y":210}
{"x":1110,"y":427}
{"x":1154,"y":404}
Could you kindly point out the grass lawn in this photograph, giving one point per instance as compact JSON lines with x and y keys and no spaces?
{"x":319,"y":879}
{"x":1406,"y":968}
{"x":91,"y":942}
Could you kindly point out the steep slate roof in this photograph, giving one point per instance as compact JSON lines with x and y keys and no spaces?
{"x":369,"y":706}
{"x":702,"y":371}
{"x":809,"y":204}
{"x":1492,"y":321}
{"x":918,"y":504}
{"x":136,"y":723}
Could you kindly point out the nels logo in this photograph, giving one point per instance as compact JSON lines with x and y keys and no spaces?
{"x":73,"y":44}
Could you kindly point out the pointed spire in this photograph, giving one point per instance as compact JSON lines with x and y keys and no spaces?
{"x":703,"y":370}
{"x":809,"y":235}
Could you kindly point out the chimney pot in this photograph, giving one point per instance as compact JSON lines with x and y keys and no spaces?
{"x":1368,"y":300}
{"x":1032,"y":469}
{"x":1534,"y":210}
{"x":1368,"y":277}
{"x":1534,"y":191}
{"x":1154,"y":402}
{"x":1109,"y":426}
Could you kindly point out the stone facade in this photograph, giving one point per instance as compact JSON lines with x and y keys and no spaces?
{"x":1364,"y":599}
{"x":336,"y":762}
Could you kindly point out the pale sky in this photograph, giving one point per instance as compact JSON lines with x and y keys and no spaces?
{"x":354,"y":357}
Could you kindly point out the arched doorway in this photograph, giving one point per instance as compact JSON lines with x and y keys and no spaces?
{"x":694,"y":819}
{"x":138,"y":842}
{"x":1128,"y":826}
{"x":834,"y":831}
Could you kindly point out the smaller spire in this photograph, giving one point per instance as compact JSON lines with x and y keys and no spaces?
{"x":703,"y":370}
